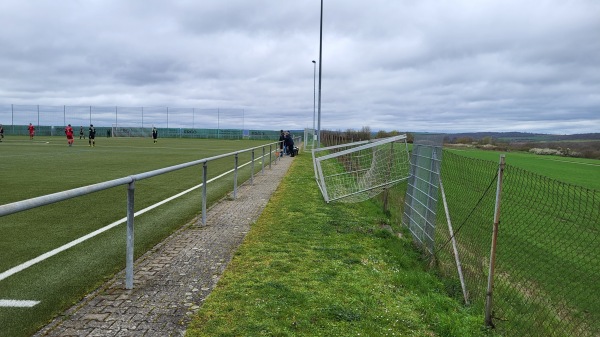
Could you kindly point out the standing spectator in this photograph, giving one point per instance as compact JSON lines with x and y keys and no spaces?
{"x":69,"y":133}
{"x":155,"y":134}
{"x":281,"y":141}
{"x":1,"y":132}
{"x":31,"y":129}
{"x":289,"y":143}
{"x":81,"y":135}
{"x":92,"y":135}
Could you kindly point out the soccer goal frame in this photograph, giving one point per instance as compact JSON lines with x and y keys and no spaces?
{"x":358,"y":171}
{"x":128,"y":131}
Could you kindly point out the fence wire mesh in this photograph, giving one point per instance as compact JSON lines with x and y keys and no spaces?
{"x":547,"y":263}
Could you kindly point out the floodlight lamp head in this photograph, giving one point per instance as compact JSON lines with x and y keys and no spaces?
{"x":314,"y":62}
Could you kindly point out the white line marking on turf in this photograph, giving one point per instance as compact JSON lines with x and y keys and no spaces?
{"x":18,"y":304}
{"x":62,"y":248}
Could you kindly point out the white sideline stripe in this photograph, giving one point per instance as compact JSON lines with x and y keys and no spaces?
{"x":53,"y":252}
{"x":18,"y":304}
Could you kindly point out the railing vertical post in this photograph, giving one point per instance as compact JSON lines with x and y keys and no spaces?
{"x":270,"y":152}
{"x":204,"y":184}
{"x":129,"y":253}
{"x":262,"y":170}
{"x":490,"y":286}
{"x":235,"y":175}
{"x":252,"y":169}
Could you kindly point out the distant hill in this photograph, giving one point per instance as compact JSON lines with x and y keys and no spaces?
{"x":523,"y":136}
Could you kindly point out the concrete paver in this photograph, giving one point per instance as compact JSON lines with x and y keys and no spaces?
{"x":174,"y":278}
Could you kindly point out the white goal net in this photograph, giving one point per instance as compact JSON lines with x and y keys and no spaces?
{"x":359,"y":171}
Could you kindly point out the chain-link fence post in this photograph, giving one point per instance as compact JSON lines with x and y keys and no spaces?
{"x":490,"y":286}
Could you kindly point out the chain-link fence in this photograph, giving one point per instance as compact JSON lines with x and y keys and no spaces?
{"x":547,"y":267}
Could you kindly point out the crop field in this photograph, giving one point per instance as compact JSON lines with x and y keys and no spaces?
{"x":32,"y":168}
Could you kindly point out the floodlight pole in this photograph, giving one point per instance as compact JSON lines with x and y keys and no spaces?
{"x":320,"y":71}
{"x":314,"y":93}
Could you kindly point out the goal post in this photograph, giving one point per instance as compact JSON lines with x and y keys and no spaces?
{"x":361,"y":170}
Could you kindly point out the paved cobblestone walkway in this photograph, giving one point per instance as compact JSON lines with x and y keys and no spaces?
{"x":172,"y":280}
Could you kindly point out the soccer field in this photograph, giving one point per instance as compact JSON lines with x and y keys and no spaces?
{"x":32,"y":168}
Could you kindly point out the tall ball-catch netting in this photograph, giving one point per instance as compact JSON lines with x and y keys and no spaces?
{"x":358,"y":171}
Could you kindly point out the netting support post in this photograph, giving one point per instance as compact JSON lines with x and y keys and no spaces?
{"x":490,"y":285}
{"x":454,"y":245}
{"x":129,"y":253}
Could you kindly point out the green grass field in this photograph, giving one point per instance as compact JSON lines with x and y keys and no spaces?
{"x":579,"y":171}
{"x":47,"y":165}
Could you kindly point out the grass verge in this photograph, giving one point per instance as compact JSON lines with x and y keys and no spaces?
{"x":308,"y":268}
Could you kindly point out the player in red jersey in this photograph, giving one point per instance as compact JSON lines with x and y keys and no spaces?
{"x":31,"y":129}
{"x":69,"y":133}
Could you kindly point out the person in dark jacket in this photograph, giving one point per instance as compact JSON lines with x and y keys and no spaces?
{"x":155,"y":134}
{"x":92,"y":135}
{"x":281,"y":141}
{"x":289,"y":143}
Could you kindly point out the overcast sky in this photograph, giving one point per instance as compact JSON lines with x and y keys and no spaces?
{"x":407,"y":65}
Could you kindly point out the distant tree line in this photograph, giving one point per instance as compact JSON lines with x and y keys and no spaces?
{"x":580,"y":145}
{"x":330,"y":138}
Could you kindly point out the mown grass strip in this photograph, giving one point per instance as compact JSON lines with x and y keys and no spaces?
{"x":308,"y":268}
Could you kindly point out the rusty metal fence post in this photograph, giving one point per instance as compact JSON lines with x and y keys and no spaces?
{"x":490,"y":286}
